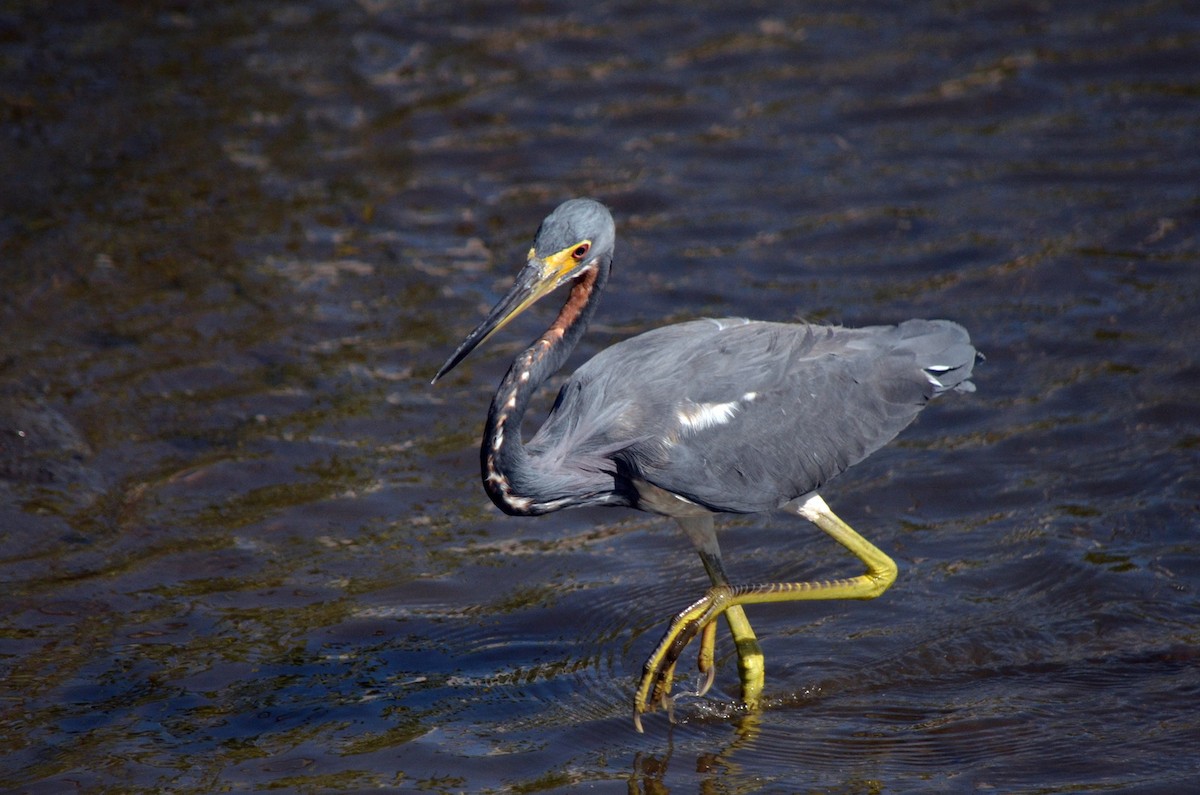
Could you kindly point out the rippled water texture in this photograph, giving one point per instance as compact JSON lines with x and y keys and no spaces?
{"x":244,"y":545}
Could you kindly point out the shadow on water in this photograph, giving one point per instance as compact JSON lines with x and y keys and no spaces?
{"x":242,"y":542}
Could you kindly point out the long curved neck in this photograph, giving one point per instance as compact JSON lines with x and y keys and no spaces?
{"x":508,"y":476}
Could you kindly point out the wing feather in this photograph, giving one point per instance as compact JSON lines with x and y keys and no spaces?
{"x":743,"y":416}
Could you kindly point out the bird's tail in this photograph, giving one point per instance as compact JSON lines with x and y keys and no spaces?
{"x":944,"y":351}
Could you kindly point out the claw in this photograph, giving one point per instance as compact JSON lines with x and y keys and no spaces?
{"x":710,"y":676}
{"x":659,"y":671}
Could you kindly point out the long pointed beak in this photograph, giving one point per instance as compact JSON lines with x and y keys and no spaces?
{"x":533,"y":282}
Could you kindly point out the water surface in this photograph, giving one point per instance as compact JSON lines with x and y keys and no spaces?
{"x":243,"y":543}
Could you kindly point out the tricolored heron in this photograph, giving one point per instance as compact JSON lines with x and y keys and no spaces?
{"x":699,"y":418}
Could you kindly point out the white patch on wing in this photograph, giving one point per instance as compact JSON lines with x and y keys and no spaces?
{"x":938,"y":369}
{"x":698,"y":416}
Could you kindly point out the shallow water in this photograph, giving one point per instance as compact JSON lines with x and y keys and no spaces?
{"x":243,"y":542}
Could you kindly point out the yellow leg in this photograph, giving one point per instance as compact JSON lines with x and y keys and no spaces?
{"x":724,"y":599}
{"x":750,"y":656}
{"x":751,"y":667}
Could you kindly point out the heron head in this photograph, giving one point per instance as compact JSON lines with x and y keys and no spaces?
{"x":579,"y":235}
{"x":573,"y":238}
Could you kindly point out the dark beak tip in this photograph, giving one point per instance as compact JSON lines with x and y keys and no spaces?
{"x":508,"y":307}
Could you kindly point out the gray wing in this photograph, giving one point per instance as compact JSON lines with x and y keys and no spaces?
{"x":743,"y":416}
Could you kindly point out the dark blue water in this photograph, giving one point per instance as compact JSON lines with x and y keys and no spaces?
{"x":243,"y":545}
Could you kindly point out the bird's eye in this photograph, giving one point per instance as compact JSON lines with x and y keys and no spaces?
{"x":581,"y":251}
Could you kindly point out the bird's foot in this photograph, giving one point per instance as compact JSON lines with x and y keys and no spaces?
{"x":658,"y":673}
